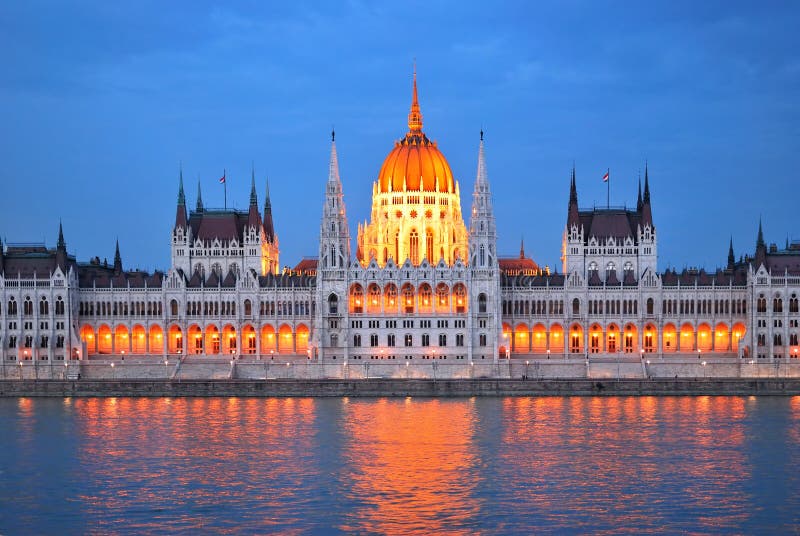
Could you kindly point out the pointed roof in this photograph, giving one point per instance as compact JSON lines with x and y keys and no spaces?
{"x":731,"y":257}
{"x":253,"y":217}
{"x":199,"y":197}
{"x":253,"y":195}
{"x":573,"y":216}
{"x":647,"y":211}
{"x":180,"y":213}
{"x":181,"y":196}
{"x":639,"y":196}
{"x":269,"y":227}
{"x":117,"y":259}
{"x":522,"y":248}
{"x":61,"y":244}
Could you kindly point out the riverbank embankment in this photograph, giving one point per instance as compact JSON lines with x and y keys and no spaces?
{"x":398,"y":387}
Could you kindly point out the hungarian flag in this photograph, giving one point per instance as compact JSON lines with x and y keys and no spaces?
{"x":222,"y":179}
{"x":605,"y":177}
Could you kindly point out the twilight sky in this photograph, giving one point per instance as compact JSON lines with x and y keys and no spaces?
{"x":101,"y":101}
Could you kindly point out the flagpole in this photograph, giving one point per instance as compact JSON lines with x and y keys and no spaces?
{"x":608,"y":190}
{"x":225,"y":188}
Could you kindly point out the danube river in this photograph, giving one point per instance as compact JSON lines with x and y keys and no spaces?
{"x":455,"y":466}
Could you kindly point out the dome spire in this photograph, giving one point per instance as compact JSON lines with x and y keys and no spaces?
{"x":415,"y":116}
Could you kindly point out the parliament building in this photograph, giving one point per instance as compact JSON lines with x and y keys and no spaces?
{"x":425,"y":283}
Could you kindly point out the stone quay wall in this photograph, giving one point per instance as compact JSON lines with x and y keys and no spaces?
{"x":303,"y":369}
{"x":399,"y":387}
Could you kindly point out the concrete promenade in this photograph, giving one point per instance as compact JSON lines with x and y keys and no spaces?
{"x":398,"y":387}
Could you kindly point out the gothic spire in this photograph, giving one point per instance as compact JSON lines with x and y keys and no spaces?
{"x":521,"y":248}
{"x":61,"y":250}
{"x":483,"y":234}
{"x":761,"y":246}
{"x":117,"y":259}
{"x":199,"y":197}
{"x":253,"y":196}
{"x":415,"y":116}
{"x":181,"y":196}
{"x":61,"y":243}
{"x":573,"y":218}
{"x":639,"y":197}
{"x":334,"y":246}
{"x":647,"y":211}
{"x":731,"y":257}
{"x":180,"y":212}
{"x":269,"y":227}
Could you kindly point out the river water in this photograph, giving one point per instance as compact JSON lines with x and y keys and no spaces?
{"x":456,"y":466}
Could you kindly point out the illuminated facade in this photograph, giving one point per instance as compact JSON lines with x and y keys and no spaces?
{"x":420,"y":287}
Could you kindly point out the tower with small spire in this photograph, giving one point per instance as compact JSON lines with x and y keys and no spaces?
{"x":572,"y":248}
{"x":648,"y":245}
{"x":483,"y":267}
{"x":332,"y":267}
{"x":270,"y":250}
{"x":181,"y":232}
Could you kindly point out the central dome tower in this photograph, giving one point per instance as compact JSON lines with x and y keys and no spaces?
{"x":416,"y":205}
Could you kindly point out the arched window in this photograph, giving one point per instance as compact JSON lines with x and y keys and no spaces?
{"x":333,"y":306}
{"x":429,"y":246}
{"x":334,"y":339}
{"x":777,"y":305}
{"x":356,"y":299}
{"x":27,"y":307}
{"x":173,"y":307}
{"x":408,"y":298}
{"x":761,"y":304}
{"x":482,"y":257}
{"x":628,"y":268}
{"x":592,"y":268}
{"x":482,"y":303}
{"x":59,"y":306}
{"x":12,"y":306}
{"x":44,"y":307}
{"x":793,"y":304}
{"x":425,"y":298}
{"x":611,"y":267}
{"x":649,"y":306}
{"x":576,"y":306}
{"x":413,"y":245}
{"x":248,"y":308}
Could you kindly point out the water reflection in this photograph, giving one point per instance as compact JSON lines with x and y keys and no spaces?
{"x":410,"y":466}
{"x":594,"y":463}
{"x":455,"y":466}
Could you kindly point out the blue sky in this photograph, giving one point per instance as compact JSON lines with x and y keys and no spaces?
{"x":101,"y":101}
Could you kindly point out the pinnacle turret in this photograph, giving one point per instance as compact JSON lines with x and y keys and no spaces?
{"x":117,"y":259}
{"x":199,"y":198}
{"x":731,"y":257}
{"x":180,"y":212}
{"x":573,"y":218}
{"x":269,"y":227}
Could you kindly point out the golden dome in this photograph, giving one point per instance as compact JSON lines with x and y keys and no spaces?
{"x":415,"y":159}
